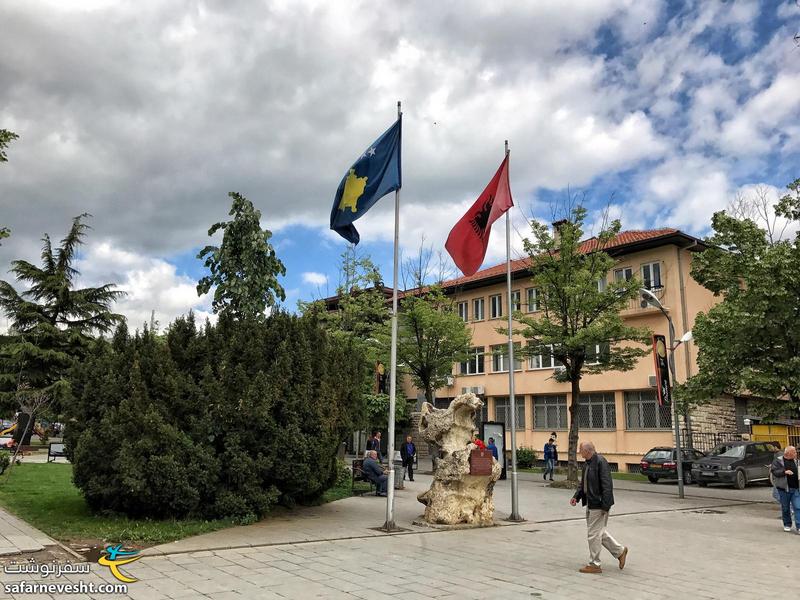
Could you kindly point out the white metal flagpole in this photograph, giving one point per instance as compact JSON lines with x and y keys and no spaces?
{"x":512,"y":401}
{"x":389,"y":525}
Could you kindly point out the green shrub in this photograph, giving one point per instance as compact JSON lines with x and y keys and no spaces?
{"x":225,"y":421}
{"x":526,"y":457}
{"x":4,"y":461}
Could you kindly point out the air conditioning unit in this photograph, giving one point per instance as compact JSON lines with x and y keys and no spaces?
{"x":477,"y":390}
{"x":450,"y":380}
{"x":652,"y":381}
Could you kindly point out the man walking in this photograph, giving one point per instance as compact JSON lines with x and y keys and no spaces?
{"x":374,"y":443}
{"x":596,"y":493}
{"x":549,"y":458}
{"x":785,"y":480}
{"x":407,"y":453}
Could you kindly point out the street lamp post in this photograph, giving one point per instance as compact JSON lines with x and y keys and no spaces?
{"x":649,"y":297}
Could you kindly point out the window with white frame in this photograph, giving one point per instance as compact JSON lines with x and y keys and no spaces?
{"x":601,"y":284}
{"x":500,"y":358}
{"x":643,"y":412}
{"x":596,"y":352}
{"x":462,"y":311}
{"x":516,"y":304}
{"x":495,"y":306}
{"x":597,"y":411}
{"x":550,"y":412}
{"x":533,"y":299}
{"x":623,"y":274}
{"x":474,"y":364}
{"x":543,"y":359}
{"x":651,"y":275}
{"x":502,"y":411}
{"x":477,"y":309}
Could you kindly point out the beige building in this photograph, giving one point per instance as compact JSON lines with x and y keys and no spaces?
{"x":620,"y":413}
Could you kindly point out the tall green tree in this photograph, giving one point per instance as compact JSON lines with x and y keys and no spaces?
{"x":244,"y":269}
{"x":52,"y":321}
{"x":749,"y":343}
{"x":431,"y":336}
{"x":578,"y":310}
{"x":5,"y":138}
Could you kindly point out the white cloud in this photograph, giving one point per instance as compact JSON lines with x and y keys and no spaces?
{"x":151,"y":284}
{"x":315,"y":278}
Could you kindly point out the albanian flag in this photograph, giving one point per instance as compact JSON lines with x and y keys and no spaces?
{"x":469,"y":239}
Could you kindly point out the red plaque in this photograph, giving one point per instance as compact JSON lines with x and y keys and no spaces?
{"x":480,"y":462}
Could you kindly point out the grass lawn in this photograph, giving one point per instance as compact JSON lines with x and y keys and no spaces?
{"x":625,"y":476}
{"x":44,"y":496}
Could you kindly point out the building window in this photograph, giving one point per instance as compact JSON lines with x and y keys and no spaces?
{"x":544,"y":359}
{"x":533,"y":299}
{"x":651,"y":276}
{"x":495,"y":306}
{"x":601,"y":284}
{"x":477,"y":309}
{"x":643,"y":412}
{"x":500,"y":358}
{"x":516,"y":304}
{"x":502,"y":411}
{"x":597,"y":411}
{"x":550,"y":412}
{"x":596,"y":352}
{"x":474,"y":364}
{"x":623,"y":274}
{"x":462,"y":311}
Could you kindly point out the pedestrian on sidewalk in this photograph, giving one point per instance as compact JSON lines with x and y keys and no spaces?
{"x":785,"y":480}
{"x":549,"y":459}
{"x":374,"y":443}
{"x":407,"y":453}
{"x":596,"y":493}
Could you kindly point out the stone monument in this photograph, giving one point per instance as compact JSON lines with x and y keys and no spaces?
{"x":456,"y":497}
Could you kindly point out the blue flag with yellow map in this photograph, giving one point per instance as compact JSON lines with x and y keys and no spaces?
{"x":372,"y":176}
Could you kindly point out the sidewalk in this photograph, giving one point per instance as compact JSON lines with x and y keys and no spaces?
{"x":17,"y":536}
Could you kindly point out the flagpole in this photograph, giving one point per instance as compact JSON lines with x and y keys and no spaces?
{"x":390,"y":525}
{"x":512,"y":400}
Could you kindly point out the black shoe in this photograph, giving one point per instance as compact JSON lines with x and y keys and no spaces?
{"x":411,"y":480}
{"x":551,"y":479}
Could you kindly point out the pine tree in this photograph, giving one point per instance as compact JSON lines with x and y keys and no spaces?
{"x":52,"y":323}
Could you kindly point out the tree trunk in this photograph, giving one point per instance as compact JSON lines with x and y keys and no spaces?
{"x":572,"y":468}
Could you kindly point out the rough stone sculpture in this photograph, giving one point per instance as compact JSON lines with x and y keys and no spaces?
{"x":455,"y":496}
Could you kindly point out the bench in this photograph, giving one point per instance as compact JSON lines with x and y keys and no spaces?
{"x":55,"y":450}
{"x":358,"y":475}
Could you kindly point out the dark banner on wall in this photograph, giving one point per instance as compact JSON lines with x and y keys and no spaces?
{"x":662,"y":370}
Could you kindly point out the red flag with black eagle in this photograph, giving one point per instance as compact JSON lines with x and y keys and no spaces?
{"x":469,"y":239}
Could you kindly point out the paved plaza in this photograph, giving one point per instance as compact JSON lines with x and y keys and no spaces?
{"x":717,"y":543}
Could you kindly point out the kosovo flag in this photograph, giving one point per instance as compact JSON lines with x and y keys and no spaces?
{"x":372,"y":176}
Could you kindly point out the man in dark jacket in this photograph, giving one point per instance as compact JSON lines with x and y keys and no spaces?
{"x":407,"y":453}
{"x":784,"y":472}
{"x":596,"y":493}
{"x":374,"y":443}
{"x":374,"y":472}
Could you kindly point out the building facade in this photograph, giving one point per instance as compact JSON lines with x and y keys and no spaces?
{"x":619,"y":412}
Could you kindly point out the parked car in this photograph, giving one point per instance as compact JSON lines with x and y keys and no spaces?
{"x":660,"y":463}
{"x":736,"y":463}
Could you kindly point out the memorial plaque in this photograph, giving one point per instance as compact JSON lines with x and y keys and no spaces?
{"x":480,"y":462}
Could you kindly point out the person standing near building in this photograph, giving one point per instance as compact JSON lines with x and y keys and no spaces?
{"x":374,"y":443}
{"x":407,"y":453}
{"x":549,"y":459}
{"x":784,"y":478}
{"x":596,"y":493}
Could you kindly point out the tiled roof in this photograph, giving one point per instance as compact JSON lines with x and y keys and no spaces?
{"x":623,"y":239}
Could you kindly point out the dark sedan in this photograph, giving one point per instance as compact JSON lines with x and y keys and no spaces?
{"x":660,"y":463}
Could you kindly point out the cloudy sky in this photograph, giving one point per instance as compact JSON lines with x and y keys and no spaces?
{"x":146,"y":113}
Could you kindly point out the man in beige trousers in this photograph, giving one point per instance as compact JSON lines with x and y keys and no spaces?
{"x":596,"y":493}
